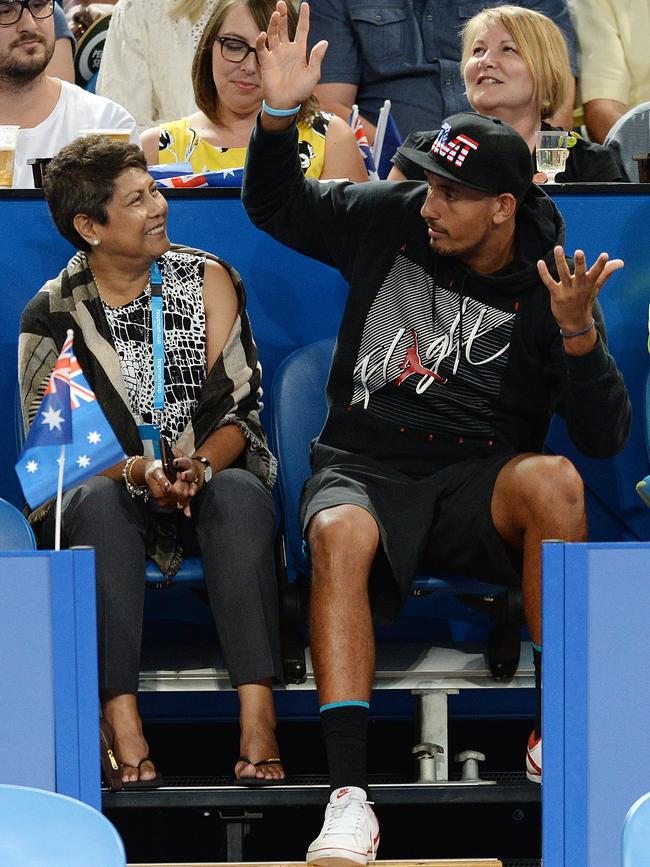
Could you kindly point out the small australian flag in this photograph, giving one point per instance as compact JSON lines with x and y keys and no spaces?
{"x":70,"y":417}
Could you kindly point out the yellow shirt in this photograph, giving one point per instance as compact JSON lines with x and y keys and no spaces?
{"x":613,"y":37}
{"x":179,"y":143}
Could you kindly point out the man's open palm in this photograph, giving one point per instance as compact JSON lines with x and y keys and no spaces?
{"x":288,"y":77}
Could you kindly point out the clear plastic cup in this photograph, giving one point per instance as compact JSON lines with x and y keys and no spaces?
{"x":551,"y":152}
{"x":8,"y":141}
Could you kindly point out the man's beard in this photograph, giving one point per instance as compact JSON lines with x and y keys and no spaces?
{"x":21,"y":72}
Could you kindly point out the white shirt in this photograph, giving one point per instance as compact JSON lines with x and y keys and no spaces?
{"x":147,"y":60}
{"x":75,"y":110}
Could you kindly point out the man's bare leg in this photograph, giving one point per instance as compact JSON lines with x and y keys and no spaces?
{"x":537,"y":497}
{"x":343,"y":542}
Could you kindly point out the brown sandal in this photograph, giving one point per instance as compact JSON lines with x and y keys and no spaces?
{"x":112,"y":769}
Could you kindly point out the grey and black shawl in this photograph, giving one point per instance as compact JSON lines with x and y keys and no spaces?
{"x":230,"y":394}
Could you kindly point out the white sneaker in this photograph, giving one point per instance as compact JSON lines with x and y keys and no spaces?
{"x":350,"y":832}
{"x":534,"y":759}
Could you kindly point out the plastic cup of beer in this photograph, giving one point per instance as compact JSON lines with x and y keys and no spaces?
{"x":113,"y":134}
{"x":8,"y":141}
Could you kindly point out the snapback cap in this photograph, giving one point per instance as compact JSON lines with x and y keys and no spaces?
{"x":480,"y":152}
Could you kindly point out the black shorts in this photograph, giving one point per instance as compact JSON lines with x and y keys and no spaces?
{"x":439,"y":524}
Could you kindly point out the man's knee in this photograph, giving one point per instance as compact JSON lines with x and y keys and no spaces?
{"x":550,"y":485}
{"x":345,"y":530}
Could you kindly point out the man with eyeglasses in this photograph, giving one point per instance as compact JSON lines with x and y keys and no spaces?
{"x":49,"y":112}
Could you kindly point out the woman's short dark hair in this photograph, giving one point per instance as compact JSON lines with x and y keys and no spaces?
{"x":205,"y":90}
{"x":81,"y":179}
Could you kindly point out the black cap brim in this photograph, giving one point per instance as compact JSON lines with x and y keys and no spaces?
{"x":424,"y":160}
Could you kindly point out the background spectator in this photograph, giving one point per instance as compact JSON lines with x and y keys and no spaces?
{"x":629,"y":137}
{"x":62,"y":65}
{"x":614,"y":59}
{"x":228,"y":90}
{"x":51,"y":113}
{"x":406,"y":52}
{"x":147,"y":60}
{"x":516,"y":67}
{"x":82,"y":15}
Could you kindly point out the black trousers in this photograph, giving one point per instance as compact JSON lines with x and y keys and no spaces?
{"x":233,"y":524}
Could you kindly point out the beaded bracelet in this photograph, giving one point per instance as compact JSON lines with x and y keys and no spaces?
{"x":568,"y":335}
{"x":280,"y":112}
{"x":131,"y":487}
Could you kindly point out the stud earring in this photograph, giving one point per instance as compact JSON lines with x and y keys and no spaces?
{"x":95,"y":242}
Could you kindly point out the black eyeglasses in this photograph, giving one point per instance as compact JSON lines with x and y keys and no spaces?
{"x":234,"y":50}
{"x":11,"y":11}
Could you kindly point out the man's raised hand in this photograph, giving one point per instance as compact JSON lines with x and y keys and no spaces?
{"x":573,"y":295}
{"x":288,"y":77}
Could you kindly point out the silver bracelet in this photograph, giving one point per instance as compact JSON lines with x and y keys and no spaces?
{"x":567,"y":335}
{"x":131,"y":487}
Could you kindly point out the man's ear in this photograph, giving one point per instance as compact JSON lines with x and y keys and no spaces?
{"x":505,"y":207}
{"x":87,"y":228}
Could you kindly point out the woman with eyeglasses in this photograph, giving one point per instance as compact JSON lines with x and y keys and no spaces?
{"x":228,"y":91}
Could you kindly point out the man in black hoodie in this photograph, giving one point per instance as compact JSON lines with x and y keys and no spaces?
{"x":464,"y":331}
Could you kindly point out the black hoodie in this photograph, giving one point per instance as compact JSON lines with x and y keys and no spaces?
{"x":434,"y":362}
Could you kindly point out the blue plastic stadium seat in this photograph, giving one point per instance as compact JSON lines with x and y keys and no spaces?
{"x":51,"y":830}
{"x":636,"y":834}
{"x":15,"y":532}
{"x":189,"y":575}
{"x":299,"y":409}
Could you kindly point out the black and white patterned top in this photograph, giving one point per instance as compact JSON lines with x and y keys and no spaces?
{"x":185,"y":359}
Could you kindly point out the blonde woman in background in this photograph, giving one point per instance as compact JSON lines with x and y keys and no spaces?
{"x":515,"y":64}
{"x":228,"y":90}
{"x":147,"y":60}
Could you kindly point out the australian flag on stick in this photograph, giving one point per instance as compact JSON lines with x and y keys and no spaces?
{"x":356,"y":124}
{"x":69,"y":432}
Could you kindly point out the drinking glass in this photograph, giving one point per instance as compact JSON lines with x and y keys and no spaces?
{"x":551,"y":152}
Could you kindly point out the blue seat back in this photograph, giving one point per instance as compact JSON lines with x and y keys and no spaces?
{"x":52,"y":830}
{"x":636,"y":834}
{"x":298,"y":412}
{"x":15,"y":532}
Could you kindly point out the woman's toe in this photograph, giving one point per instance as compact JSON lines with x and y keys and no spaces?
{"x":147,"y":771}
{"x":271,"y":772}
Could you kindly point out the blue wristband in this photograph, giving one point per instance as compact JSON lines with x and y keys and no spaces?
{"x":280,"y":112}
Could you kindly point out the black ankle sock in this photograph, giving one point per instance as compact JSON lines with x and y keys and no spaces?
{"x":537,"y":662}
{"x":345,"y":731}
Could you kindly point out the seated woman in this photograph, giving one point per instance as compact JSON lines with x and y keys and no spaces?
{"x":228,"y":92}
{"x":516,"y":67}
{"x":218,"y":501}
{"x":147,"y":57}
